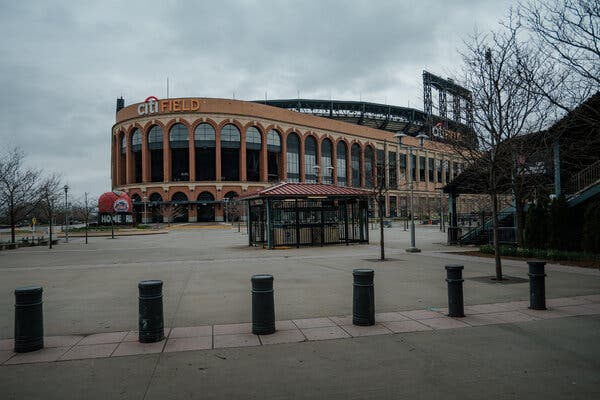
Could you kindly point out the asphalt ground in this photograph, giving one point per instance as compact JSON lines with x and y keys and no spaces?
{"x":206,"y":272}
{"x":93,"y":288}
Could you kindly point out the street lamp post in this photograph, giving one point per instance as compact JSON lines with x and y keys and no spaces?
{"x":413,"y":248}
{"x":145,"y":219}
{"x":66,"y":188}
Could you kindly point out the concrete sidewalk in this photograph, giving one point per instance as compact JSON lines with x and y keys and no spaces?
{"x":549,"y":359}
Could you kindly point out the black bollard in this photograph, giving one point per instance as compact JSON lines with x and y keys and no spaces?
{"x":537,"y":285}
{"x":455,"y":290}
{"x":363,"y":304}
{"x":29,"y":319}
{"x":151,"y":322}
{"x":263,"y":305}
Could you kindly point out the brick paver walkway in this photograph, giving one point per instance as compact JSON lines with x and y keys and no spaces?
{"x":115,"y":344}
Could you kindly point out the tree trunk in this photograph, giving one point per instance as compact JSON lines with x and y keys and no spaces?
{"x":12,"y":221}
{"x":496,"y":241}
{"x":519,"y":209}
{"x":381,"y":241}
{"x":50,"y":232}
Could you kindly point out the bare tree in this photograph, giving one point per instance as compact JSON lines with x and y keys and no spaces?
{"x":18,"y":187}
{"x":83,"y":211}
{"x":171,"y":211}
{"x":567,"y":34}
{"x":49,"y":194}
{"x":504,"y":108}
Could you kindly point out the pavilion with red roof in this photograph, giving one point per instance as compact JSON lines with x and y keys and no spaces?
{"x":307,"y":214}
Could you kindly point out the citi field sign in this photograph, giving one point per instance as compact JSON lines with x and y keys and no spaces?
{"x":152,"y":105}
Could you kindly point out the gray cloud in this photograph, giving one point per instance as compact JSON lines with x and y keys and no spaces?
{"x":62,"y":64}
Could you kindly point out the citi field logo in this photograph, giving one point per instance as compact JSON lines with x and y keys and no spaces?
{"x":121,"y":205}
{"x":152,"y":105}
{"x":149,"y":106}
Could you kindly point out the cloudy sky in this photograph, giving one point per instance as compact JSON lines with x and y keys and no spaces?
{"x":63,"y":64}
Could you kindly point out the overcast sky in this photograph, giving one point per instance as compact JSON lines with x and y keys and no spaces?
{"x":63,"y":64}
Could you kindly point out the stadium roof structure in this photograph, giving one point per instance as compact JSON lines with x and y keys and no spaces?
{"x":379,"y":116}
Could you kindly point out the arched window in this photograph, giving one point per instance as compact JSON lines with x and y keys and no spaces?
{"x":178,"y":136}
{"x":204,"y":135}
{"x":230,"y":153}
{"x":231,"y":210}
{"x":355,"y":163}
{"x":293,"y":158}
{"x":326,"y":161}
{"x":205,"y":143}
{"x":274,"y":141}
{"x":136,"y":150}
{"x":253,"y":155}
{"x":369,"y":167}
{"x":155,"y":198}
{"x":136,"y":140}
{"x":230,"y":136}
{"x":123,"y":144}
{"x":253,"y":139}
{"x":273,"y":155}
{"x":155,"y":145}
{"x":342,"y":154}
{"x":179,"y":197}
{"x":310,"y":159}
{"x":180,"y":156}
{"x":122,"y":159}
{"x":179,"y":208}
{"x":206,"y":207}
{"x":155,"y":138}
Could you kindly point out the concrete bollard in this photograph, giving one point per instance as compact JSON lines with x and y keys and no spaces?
{"x":537,"y":285}
{"x":455,"y":290}
{"x":363,"y":304}
{"x":29,"y":319}
{"x":151,"y":321}
{"x":263,"y":305}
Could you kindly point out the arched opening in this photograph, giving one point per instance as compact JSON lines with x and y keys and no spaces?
{"x":355,"y":163}
{"x":206,"y":207}
{"x":123,"y":160}
{"x":342,"y":156}
{"x":230,"y":153}
{"x":155,"y":207}
{"x":155,"y":149}
{"x":137,"y":208}
{"x":293,"y":158}
{"x":273,"y":155}
{"x":136,"y":153}
{"x":179,"y":204}
{"x":179,"y":141}
{"x":253,"y":153}
{"x":205,"y":140}
{"x":232,"y":209}
{"x":326,"y":161}
{"x":310,"y":160}
{"x":369,"y":170}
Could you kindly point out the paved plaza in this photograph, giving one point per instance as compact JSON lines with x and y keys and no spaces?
{"x":414,"y":350}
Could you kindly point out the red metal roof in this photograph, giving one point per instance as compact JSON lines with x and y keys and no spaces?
{"x":287,"y":189}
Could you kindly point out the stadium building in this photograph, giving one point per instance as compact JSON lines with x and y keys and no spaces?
{"x":196,"y":153}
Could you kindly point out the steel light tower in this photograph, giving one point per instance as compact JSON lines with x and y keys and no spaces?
{"x":413,"y":248}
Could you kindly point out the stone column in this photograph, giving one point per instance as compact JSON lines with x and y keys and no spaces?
{"x":218,"y":155}
{"x":242,"y":171}
{"x":192,"y":156}
{"x":334,"y":162}
{"x":145,"y":158}
{"x":362,"y":166}
{"x":166,"y":157}
{"x":264,"y":159}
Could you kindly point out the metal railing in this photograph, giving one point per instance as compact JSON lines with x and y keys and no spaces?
{"x":584,"y":178}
